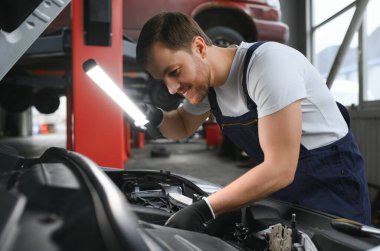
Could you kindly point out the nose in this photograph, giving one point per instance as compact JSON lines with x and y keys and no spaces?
{"x":172,"y":85}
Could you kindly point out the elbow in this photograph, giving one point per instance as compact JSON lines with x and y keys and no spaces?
{"x":288,"y":179}
{"x":176,"y":136}
{"x":288,"y":175}
{"x":284,"y":181}
{"x":187,"y":133}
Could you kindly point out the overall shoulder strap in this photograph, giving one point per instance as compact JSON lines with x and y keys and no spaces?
{"x":251,"y":105}
{"x":343,"y":110}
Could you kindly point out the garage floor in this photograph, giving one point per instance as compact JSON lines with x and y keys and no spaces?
{"x":191,"y":157}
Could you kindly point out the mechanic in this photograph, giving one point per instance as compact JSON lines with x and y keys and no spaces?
{"x":271,"y":101}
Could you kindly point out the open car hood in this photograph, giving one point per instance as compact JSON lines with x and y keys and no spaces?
{"x":63,"y":201}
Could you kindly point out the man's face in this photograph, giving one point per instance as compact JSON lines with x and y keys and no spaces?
{"x":183,"y":72}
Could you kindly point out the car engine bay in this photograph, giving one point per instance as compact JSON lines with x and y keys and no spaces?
{"x":265,"y":225}
{"x":64,"y":201}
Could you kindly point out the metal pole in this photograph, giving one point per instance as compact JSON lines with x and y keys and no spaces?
{"x":354,"y":25}
{"x":309,"y":31}
{"x":348,"y":7}
{"x":362,"y":54}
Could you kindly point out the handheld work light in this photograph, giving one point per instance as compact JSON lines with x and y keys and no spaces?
{"x":101,"y":79}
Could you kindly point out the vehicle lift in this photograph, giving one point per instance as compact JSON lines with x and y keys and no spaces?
{"x":98,"y":123}
{"x":95,"y":125}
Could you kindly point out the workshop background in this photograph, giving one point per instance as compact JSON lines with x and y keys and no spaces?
{"x":47,"y":101}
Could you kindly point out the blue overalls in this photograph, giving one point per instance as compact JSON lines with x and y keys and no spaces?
{"x":330,"y":178}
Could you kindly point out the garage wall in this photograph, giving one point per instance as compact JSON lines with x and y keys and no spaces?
{"x":366,"y":128}
{"x":294,"y":15}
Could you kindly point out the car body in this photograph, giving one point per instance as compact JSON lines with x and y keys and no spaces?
{"x":64,"y":201}
{"x":252,"y":20}
{"x":43,"y":73}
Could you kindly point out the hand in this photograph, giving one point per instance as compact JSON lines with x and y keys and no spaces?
{"x":154,"y":114}
{"x":192,"y":217}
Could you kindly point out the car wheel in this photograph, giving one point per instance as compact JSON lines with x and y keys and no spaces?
{"x":47,"y":101}
{"x":160,"y":97}
{"x":223,"y":36}
{"x":15,"y":99}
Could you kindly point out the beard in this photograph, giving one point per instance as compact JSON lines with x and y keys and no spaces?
{"x":199,"y":91}
{"x":198,"y":94}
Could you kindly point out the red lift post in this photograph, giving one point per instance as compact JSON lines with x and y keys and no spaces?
{"x":98,"y":123}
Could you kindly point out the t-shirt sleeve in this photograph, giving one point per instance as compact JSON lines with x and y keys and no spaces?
{"x":197,"y":109}
{"x":276,"y":79}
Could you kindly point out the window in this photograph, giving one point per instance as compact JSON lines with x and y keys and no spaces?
{"x":323,"y":9}
{"x":372,"y":87}
{"x":330,"y":22}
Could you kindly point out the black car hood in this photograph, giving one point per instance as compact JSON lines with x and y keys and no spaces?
{"x":63,"y":201}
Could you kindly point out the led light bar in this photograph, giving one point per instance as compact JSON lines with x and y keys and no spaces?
{"x":101,"y":79}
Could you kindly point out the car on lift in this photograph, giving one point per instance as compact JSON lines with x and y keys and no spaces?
{"x":64,"y":201}
{"x":43,"y":74}
{"x":225,"y":22}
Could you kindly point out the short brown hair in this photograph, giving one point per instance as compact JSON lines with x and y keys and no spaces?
{"x":174,"y":29}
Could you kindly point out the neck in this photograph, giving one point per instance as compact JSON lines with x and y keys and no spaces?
{"x":220,"y":61}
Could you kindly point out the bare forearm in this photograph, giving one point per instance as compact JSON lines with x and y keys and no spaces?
{"x":179,"y":124}
{"x":256,"y":184}
{"x":173,"y":126}
{"x":280,"y":139}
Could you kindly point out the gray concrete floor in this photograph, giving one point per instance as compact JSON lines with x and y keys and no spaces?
{"x":34,"y":146}
{"x":191,"y":158}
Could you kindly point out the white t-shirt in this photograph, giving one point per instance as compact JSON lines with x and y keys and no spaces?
{"x":277,"y":76}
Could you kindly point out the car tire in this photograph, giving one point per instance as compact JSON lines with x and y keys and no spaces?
{"x":160,"y":97}
{"x":224,"y":36}
{"x":15,"y":99}
{"x":46,"y":101}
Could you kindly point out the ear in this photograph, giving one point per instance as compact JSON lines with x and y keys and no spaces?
{"x":199,"y":46}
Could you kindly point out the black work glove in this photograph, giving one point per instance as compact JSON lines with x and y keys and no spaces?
{"x":155,"y":116}
{"x":192,"y":217}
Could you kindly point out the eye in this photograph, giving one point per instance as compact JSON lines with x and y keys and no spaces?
{"x":175,"y":72}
